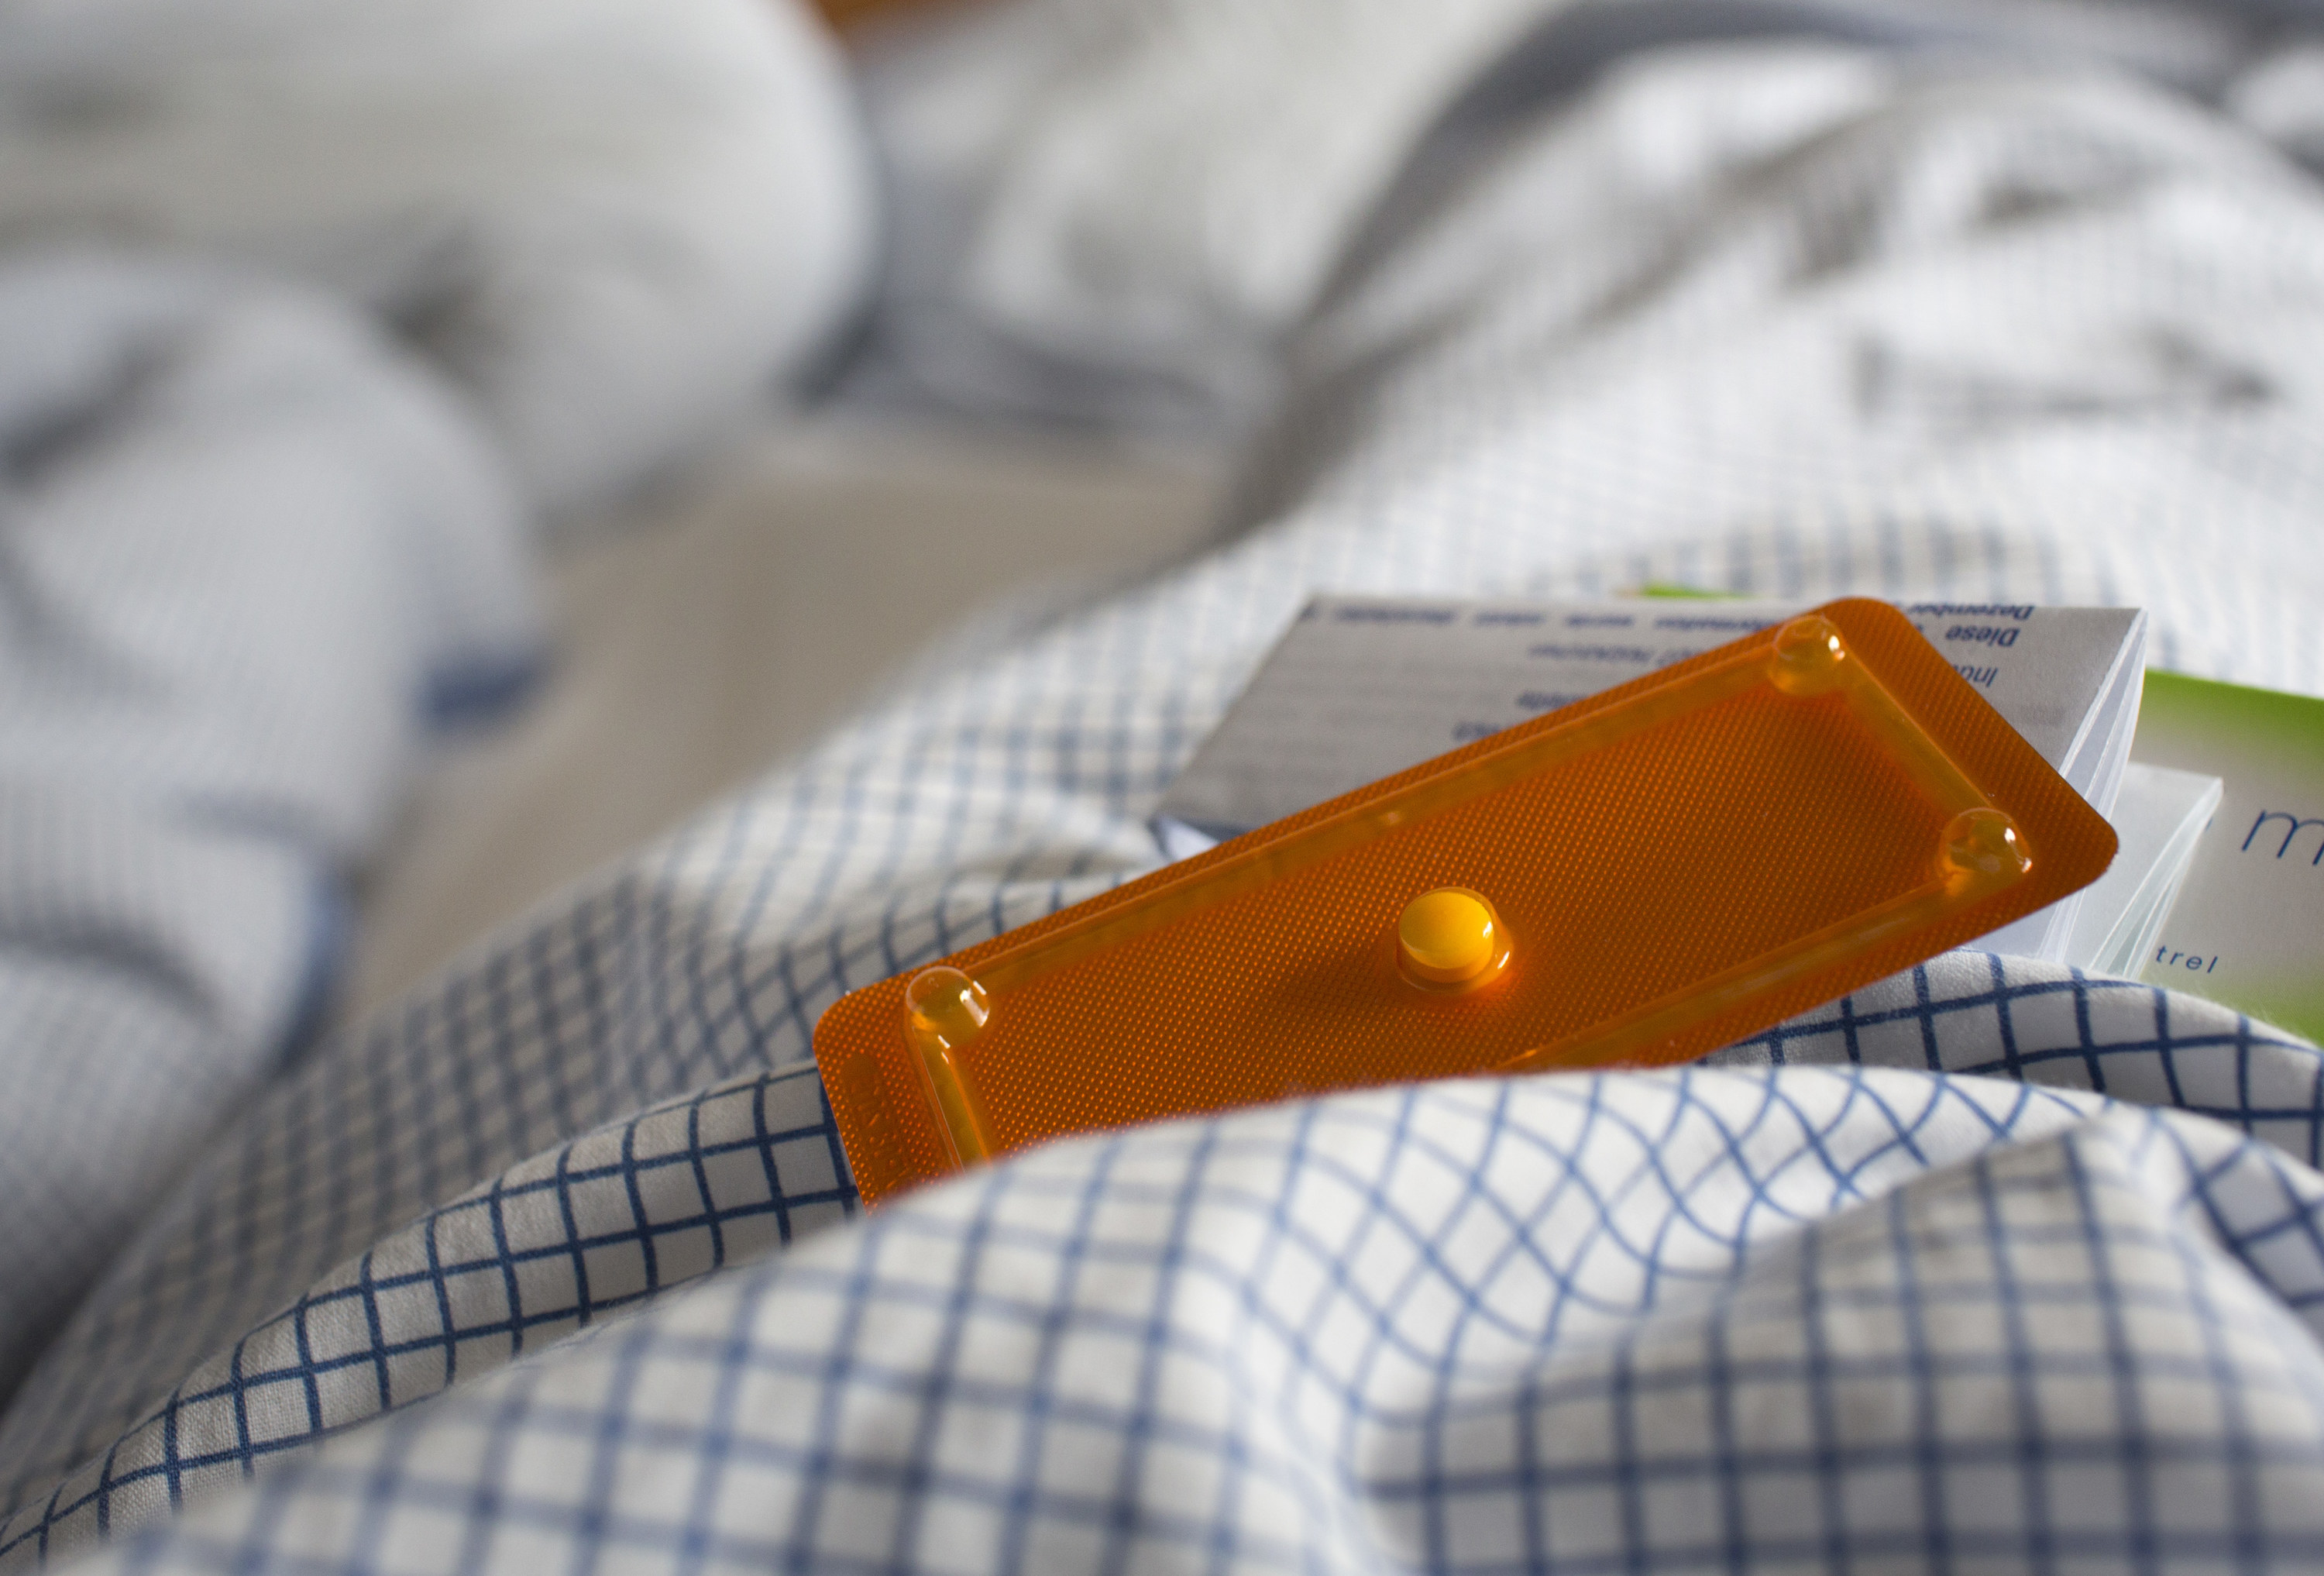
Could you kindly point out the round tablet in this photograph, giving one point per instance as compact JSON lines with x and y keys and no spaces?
{"x":1447,"y":935}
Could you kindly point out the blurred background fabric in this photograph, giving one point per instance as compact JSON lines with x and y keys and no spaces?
{"x":312,"y":317}
{"x":616,"y":226}
{"x":250,"y":553}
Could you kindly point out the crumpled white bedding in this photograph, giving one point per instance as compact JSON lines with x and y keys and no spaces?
{"x":247,"y":551}
{"x":1117,"y":209}
{"x":260,"y":536}
{"x":1796,"y":317}
{"x":617,"y":226}
{"x":1115,"y":212}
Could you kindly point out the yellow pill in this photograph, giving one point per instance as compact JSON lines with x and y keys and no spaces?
{"x":1448,"y":936}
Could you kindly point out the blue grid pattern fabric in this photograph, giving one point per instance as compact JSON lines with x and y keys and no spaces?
{"x":1973,"y":1012}
{"x":557,"y":1241}
{"x":1703,"y":1319}
{"x":728,"y":1172}
{"x":1959,"y":334}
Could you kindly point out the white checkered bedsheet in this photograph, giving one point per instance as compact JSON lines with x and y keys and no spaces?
{"x":1990,"y":1266}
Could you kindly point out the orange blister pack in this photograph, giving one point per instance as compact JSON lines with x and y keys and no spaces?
{"x":1638,"y":879}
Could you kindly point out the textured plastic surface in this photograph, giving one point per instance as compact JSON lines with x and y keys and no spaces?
{"x":1661,"y":870}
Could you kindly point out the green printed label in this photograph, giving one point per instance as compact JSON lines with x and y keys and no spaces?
{"x":2248,"y":927}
